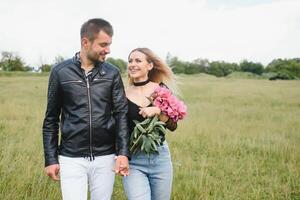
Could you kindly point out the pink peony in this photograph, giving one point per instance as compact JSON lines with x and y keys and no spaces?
{"x":169,"y":104}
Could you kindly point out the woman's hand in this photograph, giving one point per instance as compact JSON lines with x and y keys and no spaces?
{"x":162,"y":117}
{"x":149,"y":111}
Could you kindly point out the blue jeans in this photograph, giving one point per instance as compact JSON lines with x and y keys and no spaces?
{"x":150,"y":178}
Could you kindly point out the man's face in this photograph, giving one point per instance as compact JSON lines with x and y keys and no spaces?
{"x":99,"y":48}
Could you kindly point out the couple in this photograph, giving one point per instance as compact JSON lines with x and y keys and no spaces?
{"x":87,"y":101}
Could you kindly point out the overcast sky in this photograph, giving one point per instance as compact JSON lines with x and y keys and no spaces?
{"x":229,"y":30}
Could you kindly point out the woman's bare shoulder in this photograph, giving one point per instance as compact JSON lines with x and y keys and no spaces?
{"x":154,"y":85}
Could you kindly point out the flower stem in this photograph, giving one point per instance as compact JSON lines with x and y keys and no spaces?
{"x":135,"y":142}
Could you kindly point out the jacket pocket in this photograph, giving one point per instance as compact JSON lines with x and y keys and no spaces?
{"x":71,"y":81}
{"x":101,"y":80}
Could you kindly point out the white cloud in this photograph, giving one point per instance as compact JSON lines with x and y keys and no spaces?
{"x":40,"y":30}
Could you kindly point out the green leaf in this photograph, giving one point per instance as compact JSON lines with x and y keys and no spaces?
{"x":152,"y":124}
{"x":161,"y":129}
{"x":154,"y":145}
{"x":147,"y":136}
{"x":140,"y":128}
{"x":147,"y":145}
{"x":160,"y":123}
{"x":146,"y":121}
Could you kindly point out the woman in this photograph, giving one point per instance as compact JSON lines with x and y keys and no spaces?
{"x":150,"y":177}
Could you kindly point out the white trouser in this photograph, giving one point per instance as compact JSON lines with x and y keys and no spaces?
{"x":77,"y":174}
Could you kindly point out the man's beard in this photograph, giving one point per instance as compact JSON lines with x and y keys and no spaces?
{"x":92,"y":57}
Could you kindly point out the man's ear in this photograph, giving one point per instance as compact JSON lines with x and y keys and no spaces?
{"x":85,"y":42}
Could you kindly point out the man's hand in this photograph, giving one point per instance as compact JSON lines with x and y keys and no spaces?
{"x":52,"y":171}
{"x":122,"y":166}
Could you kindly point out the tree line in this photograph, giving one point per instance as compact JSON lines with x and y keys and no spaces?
{"x":276,"y":69}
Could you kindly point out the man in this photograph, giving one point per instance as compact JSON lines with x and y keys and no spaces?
{"x":86,"y":97}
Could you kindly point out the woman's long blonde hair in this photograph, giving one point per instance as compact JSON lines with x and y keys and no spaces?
{"x":160,"y":72}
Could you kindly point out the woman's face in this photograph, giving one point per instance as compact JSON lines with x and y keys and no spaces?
{"x":138,"y":66}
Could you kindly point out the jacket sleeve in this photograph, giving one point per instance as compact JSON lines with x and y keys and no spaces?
{"x":51,"y":121}
{"x":120,"y":110}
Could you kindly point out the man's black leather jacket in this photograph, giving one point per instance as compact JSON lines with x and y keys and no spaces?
{"x":91,"y":112}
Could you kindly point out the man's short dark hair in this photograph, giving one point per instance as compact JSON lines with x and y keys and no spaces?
{"x":93,"y":26}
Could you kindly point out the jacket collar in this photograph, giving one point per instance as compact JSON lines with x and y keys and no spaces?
{"x":97,"y":68}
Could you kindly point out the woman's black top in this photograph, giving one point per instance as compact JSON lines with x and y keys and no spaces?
{"x":133,"y":114}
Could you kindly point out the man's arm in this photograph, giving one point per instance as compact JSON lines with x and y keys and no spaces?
{"x":120,"y":110}
{"x":51,"y":121}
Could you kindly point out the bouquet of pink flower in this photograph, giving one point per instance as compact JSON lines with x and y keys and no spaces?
{"x":148,"y":134}
{"x":169,"y":104}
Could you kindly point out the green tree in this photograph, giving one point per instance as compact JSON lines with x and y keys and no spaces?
{"x":12,"y":62}
{"x":248,"y":66}
{"x":215,"y":68}
{"x":221,"y":68}
{"x":45,"y":68}
{"x":197,"y":66}
{"x":121,"y":64}
{"x":176,"y":65}
{"x":289,"y":67}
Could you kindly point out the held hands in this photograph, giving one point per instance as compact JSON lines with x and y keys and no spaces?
{"x":122,"y":166}
{"x":52,"y":171}
{"x":149,"y":111}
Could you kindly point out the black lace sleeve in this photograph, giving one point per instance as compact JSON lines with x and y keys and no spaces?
{"x":171,"y":125}
{"x":161,"y":84}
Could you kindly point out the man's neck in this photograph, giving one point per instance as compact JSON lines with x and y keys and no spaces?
{"x":86,"y":64}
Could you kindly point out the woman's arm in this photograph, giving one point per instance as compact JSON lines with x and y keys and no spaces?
{"x":170,"y":124}
{"x":153,"y":110}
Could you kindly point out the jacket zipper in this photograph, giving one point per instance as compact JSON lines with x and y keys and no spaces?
{"x":90,"y":119}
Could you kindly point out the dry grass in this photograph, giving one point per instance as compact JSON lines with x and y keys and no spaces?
{"x":240,"y":140}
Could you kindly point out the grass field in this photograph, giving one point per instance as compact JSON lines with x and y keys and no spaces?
{"x":241,"y":140}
